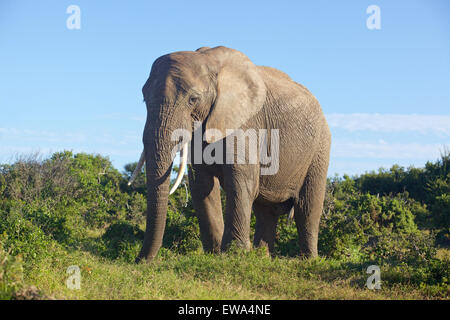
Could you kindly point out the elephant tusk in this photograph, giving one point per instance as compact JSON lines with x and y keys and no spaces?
{"x":138,"y":168}
{"x":183,"y":163}
{"x":290,"y":217}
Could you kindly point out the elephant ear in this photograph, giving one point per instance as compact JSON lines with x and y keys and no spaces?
{"x":241,"y":92}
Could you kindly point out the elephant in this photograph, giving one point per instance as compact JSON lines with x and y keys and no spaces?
{"x":221,"y":90}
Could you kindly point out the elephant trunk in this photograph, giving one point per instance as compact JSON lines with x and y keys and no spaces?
{"x":159,"y":150}
{"x":158,"y":170}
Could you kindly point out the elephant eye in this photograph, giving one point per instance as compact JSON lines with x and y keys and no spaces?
{"x":193,"y":100}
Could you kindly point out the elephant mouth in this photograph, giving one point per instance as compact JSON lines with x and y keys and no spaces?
{"x":182,"y":169}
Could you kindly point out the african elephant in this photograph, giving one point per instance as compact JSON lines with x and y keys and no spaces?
{"x":222,"y":91}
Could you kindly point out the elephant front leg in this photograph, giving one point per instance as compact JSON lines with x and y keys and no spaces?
{"x":240,"y":188}
{"x":205,"y":190}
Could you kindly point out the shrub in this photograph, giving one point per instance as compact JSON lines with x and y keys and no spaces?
{"x":22,"y":237}
{"x":182,"y":233}
{"x":30,"y":178}
{"x":122,"y":240}
{"x":286,"y":239}
{"x":429,"y":185}
{"x":139,"y":184}
{"x":66,"y":194}
{"x":11,"y":272}
{"x":392,"y":248}
{"x":350,"y":220}
{"x":441,"y":211}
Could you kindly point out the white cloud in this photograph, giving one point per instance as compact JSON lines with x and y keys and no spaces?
{"x":390,"y":123}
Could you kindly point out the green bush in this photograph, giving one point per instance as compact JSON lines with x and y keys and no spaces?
{"x":67,"y":193}
{"x":11,"y":272}
{"x":182,"y":233}
{"x":441,"y":211}
{"x":23,"y":237}
{"x":286,"y":239}
{"x":349,"y":222}
{"x":429,"y":185}
{"x":122,"y":240}
{"x":391,"y":248}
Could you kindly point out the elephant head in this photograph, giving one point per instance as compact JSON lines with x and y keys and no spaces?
{"x":219,"y":87}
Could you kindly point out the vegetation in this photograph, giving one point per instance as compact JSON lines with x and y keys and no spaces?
{"x":76,"y":209}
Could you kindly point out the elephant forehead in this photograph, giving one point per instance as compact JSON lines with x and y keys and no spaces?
{"x":180,"y":70}
{"x":189,"y":71}
{"x":188,"y":60}
{"x":180,"y":62}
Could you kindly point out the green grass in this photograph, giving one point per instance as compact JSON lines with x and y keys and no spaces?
{"x":234,"y":275}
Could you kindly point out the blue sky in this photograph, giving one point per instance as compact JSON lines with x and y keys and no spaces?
{"x":385,"y":93}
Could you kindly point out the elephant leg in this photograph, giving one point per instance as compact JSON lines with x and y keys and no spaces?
{"x":240,"y":184}
{"x":206,"y":200}
{"x":265,"y":228}
{"x":308,"y":209}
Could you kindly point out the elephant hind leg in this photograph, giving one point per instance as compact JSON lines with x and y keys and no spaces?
{"x":265,"y":228}
{"x":308,"y":209}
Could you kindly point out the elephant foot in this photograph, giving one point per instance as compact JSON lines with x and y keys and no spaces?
{"x":235,"y":244}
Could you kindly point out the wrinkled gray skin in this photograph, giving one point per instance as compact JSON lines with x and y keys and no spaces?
{"x":223,"y":89}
